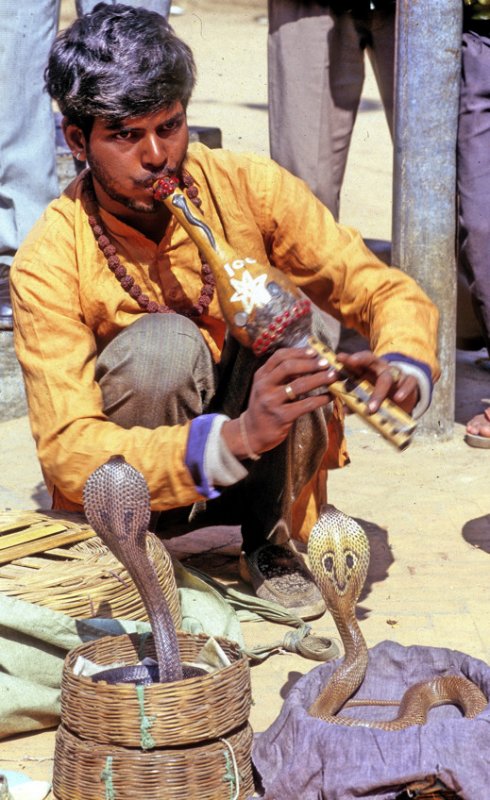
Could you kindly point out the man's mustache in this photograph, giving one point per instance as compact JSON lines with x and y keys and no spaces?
{"x":148,"y":181}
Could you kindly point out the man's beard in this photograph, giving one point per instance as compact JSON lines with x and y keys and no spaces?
{"x":149,"y":206}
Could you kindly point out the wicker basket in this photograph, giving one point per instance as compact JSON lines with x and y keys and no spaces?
{"x":181,"y":713}
{"x":189,"y":739}
{"x":86,"y":580}
{"x":219,"y":770}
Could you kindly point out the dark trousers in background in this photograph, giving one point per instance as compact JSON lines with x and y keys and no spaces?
{"x":474,"y":172}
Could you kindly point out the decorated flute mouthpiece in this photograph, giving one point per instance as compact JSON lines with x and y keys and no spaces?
{"x":164,"y":187}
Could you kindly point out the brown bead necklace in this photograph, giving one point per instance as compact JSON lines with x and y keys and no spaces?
{"x":120,"y":272}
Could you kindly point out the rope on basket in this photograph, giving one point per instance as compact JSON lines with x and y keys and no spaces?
{"x":232,"y":776}
{"x":146,"y":739}
{"x":106,"y":778}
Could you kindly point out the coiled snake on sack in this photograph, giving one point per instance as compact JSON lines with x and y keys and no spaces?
{"x":338,"y":550}
{"x":117,"y":505}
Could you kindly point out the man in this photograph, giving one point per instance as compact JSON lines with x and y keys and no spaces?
{"x":220,"y":436}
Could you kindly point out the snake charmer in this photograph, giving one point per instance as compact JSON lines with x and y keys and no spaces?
{"x":119,"y":331}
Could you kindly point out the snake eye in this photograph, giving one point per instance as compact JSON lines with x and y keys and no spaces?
{"x":349,"y":560}
{"x":328,"y":563}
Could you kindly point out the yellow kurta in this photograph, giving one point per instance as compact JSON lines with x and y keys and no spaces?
{"x":68,"y":305}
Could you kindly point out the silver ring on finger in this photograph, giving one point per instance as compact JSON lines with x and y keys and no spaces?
{"x":291,"y":394}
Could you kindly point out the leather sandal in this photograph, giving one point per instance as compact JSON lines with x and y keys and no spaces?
{"x":279,"y":574}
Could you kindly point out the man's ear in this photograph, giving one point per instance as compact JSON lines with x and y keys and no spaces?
{"x":75,"y":139}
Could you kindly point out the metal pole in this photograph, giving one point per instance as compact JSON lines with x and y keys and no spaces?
{"x":428,"y":50}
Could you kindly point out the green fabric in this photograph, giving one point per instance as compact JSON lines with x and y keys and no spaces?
{"x":203,"y":608}
{"x":33,"y":644}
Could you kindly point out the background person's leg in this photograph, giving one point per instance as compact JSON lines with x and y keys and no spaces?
{"x":28,"y":179}
{"x":474,"y":175}
{"x":381,"y":52}
{"x":315,"y":80}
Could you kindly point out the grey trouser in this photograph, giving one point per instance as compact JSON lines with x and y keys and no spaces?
{"x":474,"y":173}
{"x":159,"y":371}
{"x":316,"y":74}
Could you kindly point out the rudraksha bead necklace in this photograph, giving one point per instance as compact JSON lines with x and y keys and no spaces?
{"x":120,"y":272}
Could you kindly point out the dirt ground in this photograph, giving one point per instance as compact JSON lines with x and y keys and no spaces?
{"x":427,"y":511}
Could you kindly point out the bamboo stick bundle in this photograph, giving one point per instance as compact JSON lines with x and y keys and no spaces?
{"x":26,"y":533}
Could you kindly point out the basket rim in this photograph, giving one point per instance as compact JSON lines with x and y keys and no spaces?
{"x":73,"y":655}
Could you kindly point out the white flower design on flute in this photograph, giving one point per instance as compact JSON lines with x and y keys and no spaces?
{"x":250,"y":291}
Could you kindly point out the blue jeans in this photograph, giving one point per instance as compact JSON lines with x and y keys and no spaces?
{"x":27,"y":150}
{"x":28,"y":179}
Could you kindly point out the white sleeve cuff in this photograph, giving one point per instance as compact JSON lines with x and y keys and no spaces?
{"x":220,"y":465}
{"x":423,"y":383}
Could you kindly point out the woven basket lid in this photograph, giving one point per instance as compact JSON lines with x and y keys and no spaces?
{"x":56,"y":560}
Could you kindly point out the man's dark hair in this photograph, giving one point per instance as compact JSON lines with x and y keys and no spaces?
{"x":118,"y":62}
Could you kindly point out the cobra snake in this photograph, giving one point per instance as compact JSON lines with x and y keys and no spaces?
{"x":117,"y":505}
{"x":338,"y":551}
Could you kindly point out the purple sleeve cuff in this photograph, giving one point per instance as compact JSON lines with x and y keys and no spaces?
{"x":413,"y":361}
{"x":194,"y":454}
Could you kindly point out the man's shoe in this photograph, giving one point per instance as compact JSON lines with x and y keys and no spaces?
{"x":6,"y":318}
{"x":278,"y":573}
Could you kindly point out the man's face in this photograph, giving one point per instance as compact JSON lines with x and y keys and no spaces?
{"x":126,"y":158}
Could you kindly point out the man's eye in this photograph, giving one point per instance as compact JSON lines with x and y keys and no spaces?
{"x":172,"y":125}
{"x":123,"y":135}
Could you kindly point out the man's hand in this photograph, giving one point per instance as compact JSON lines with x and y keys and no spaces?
{"x":279,"y":387}
{"x":277,"y":400}
{"x":388,"y":381}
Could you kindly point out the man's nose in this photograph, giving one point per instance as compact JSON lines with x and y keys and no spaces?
{"x":153,"y":152}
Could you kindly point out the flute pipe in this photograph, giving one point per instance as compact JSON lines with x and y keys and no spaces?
{"x":394,"y":424}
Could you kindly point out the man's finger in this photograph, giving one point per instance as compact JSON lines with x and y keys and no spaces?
{"x":384,"y":384}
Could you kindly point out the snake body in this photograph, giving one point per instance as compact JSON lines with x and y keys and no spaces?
{"x":338,"y":550}
{"x":117,"y":506}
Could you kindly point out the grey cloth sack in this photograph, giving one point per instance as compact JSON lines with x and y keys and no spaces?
{"x":33,"y":644}
{"x":303,"y":757}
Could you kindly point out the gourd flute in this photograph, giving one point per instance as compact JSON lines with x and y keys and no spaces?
{"x":264,"y":310}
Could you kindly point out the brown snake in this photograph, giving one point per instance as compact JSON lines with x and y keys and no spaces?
{"x":338,"y":550}
{"x":117,"y":506}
